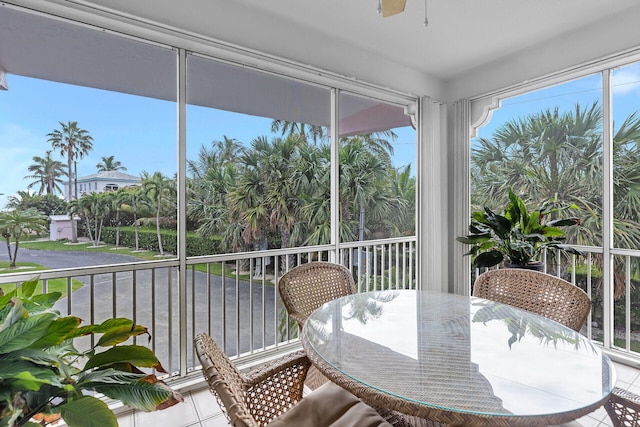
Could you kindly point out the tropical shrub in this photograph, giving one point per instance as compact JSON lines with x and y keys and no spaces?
{"x":163,"y":221}
{"x":518,"y":235}
{"x":148,"y":240}
{"x":42,"y":373}
{"x":48,"y":204}
{"x":16,"y":225}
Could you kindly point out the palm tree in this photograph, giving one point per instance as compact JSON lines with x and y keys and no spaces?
{"x":109,"y":164}
{"x":283,"y":186}
{"x":316,"y":207}
{"x":7,"y":238}
{"x":403,"y":187}
{"x":305,"y":131}
{"x":228,"y":150}
{"x":543,"y":154}
{"x":365,"y":188}
{"x":72,"y":142}
{"x":313,"y":178}
{"x":48,"y":204}
{"x":47,"y":173}
{"x":93,"y":207}
{"x":280,"y":162}
{"x":117,"y":200}
{"x":17,"y":223}
{"x":558,"y":156}
{"x":157,"y":187}
{"x":378,"y":142}
{"x":21,"y":198}
{"x":134,"y":201}
{"x":211,"y":175}
{"x":266,"y":193}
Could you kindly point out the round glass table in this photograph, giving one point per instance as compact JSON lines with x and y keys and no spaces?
{"x":457,"y":360}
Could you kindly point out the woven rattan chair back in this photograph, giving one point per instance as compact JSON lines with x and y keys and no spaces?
{"x":225,"y":381}
{"x":540,"y":293}
{"x":255,"y":399}
{"x":623,"y":408}
{"x":306,"y":287}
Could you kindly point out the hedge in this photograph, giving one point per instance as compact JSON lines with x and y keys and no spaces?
{"x":148,"y":240}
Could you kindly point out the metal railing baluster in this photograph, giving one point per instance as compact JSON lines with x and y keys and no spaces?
{"x":379,"y":264}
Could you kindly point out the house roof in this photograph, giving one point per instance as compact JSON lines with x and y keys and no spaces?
{"x":62,"y":217}
{"x":114,"y":176}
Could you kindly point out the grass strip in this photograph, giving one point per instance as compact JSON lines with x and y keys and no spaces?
{"x":53,"y":285}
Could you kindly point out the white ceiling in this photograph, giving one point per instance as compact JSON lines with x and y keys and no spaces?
{"x":461,"y":35}
{"x":349,"y":36}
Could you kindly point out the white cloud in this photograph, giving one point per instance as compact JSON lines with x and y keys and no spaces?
{"x":626,"y":80}
{"x":19,"y":145}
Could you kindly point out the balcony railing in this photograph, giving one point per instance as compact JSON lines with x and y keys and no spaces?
{"x":228,"y":296}
{"x":244,"y":313}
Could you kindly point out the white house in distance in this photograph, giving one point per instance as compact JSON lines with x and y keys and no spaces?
{"x":60,"y":226}
{"x":99,"y":183}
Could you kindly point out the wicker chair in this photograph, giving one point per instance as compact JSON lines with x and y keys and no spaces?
{"x":306,"y":287}
{"x":272,"y":395}
{"x":623,"y":408}
{"x":540,"y":293}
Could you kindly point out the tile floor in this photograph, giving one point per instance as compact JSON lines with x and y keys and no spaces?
{"x":200,"y":408}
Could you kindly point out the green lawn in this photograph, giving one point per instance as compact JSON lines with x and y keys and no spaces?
{"x":63,"y":245}
{"x":216,"y":270}
{"x":25,"y":267}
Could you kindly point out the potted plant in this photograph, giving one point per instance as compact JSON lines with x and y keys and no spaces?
{"x":43,"y":375}
{"x":517,"y":237}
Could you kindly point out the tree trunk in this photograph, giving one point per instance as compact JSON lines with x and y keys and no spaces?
{"x":158,"y":229}
{"x":89,"y":229}
{"x":8,"y":239}
{"x":117,"y":228}
{"x":99,"y":238}
{"x":135,"y":222}
{"x":95,"y":231}
{"x":244,"y":265}
{"x":74,"y":229}
{"x":12,"y":264}
{"x":287,"y":261}
{"x":74,"y":226}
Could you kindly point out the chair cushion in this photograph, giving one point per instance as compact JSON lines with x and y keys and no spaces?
{"x":330,"y":406}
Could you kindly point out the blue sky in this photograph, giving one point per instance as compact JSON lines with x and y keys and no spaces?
{"x":586,"y":90}
{"x":120,"y":125}
{"x":140,"y":132}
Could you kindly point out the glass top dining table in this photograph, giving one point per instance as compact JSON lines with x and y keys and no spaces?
{"x":457,"y":360}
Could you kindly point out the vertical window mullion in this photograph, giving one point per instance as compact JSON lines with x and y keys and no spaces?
{"x":335,"y":173}
{"x":607,"y":206}
{"x":182,"y":205}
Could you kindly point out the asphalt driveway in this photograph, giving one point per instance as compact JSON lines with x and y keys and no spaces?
{"x":151,"y":298}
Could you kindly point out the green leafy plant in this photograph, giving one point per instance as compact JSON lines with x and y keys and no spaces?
{"x":517,"y":236}
{"x":43,"y":374}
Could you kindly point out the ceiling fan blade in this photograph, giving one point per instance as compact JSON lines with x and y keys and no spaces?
{"x":392,"y":7}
